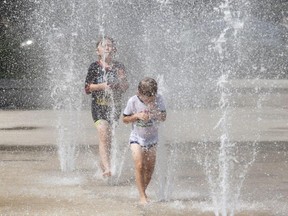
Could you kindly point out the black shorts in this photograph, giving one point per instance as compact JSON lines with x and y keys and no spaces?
{"x":108,"y":113}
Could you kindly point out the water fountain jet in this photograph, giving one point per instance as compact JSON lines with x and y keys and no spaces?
{"x":196,"y":54}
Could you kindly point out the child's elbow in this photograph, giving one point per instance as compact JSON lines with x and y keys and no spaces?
{"x":163,"y":117}
{"x":124,"y":120}
{"x":87,"y":89}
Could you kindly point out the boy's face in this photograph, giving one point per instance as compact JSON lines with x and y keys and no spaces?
{"x":147,"y":99}
{"x":105,"y":48}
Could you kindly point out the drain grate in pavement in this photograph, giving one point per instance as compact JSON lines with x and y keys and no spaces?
{"x":21,"y":128}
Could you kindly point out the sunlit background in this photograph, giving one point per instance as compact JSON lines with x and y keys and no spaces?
{"x":178,"y":41}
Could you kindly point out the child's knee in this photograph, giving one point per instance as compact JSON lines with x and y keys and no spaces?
{"x":139,"y":166}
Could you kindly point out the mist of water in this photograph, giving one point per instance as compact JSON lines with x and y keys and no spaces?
{"x":193,"y":49}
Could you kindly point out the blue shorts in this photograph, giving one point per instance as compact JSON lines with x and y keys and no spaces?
{"x":147,"y":147}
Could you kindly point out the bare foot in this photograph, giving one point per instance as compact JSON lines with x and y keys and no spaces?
{"x":107,"y":173}
{"x":143,"y":201}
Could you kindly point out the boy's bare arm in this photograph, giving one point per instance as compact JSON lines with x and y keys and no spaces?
{"x":130,"y":119}
{"x":135,"y":117}
{"x":97,"y":87}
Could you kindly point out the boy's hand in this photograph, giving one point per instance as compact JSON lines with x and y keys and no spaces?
{"x":144,"y":116}
{"x":114,"y":85}
{"x":105,"y":86}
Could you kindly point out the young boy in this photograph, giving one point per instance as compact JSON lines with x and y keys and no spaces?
{"x":144,"y":110}
{"x":106,"y":81}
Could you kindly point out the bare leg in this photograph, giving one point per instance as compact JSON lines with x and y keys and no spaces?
{"x":149,"y":161}
{"x":138,"y":155}
{"x":104,"y":132}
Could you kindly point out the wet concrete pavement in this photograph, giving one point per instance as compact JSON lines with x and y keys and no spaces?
{"x":40,"y":127}
{"x":32,"y":182}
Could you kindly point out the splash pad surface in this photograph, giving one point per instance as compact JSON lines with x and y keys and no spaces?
{"x":194,"y":48}
{"x":33,"y":183}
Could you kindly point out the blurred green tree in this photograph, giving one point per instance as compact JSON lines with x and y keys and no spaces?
{"x":18,"y":59}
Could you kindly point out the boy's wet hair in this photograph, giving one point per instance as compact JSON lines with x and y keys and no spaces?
{"x":105,"y":37}
{"x":148,"y":87}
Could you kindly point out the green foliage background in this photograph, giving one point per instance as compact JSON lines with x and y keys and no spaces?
{"x":17,"y":18}
{"x":16,"y":61}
